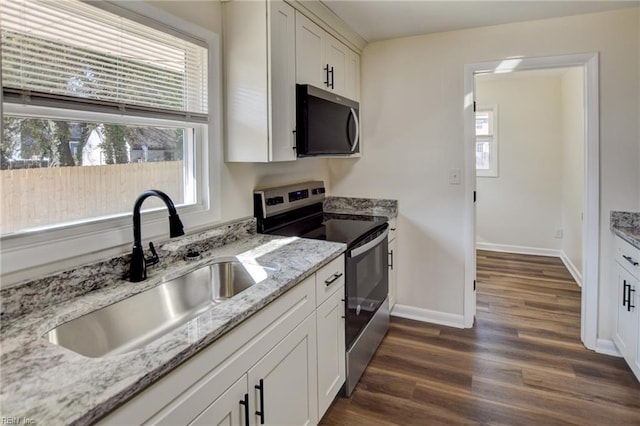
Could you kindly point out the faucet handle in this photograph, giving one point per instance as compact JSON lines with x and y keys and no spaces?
{"x":154,"y":256}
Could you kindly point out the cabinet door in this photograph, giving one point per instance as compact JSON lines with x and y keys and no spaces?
{"x":288,"y":375}
{"x":625,"y":334}
{"x":228,"y":409}
{"x":282,"y":75}
{"x":393,"y":285}
{"x":331,"y":349}
{"x":310,"y":62}
{"x":635,"y":365}
{"x":336,"y":55}
{"x":352,"y":89}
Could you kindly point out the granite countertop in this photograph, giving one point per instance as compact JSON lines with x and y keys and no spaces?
{"x":47,"y":384}
{"x":361,"y":206}
{"x":626,"y":225}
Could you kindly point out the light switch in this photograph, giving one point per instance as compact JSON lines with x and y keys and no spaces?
{"x":454,"y":176}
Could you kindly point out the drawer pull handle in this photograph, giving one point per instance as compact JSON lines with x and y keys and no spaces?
{"x":245,"y":402}
{"x":630,"y":260}
{"x":392,"y":229}
{"x":624,"y":292}
{"x":391,"y":260}
{"x":630,"y":298}
{"x":333,"y":278}
{"x":260,"y":413}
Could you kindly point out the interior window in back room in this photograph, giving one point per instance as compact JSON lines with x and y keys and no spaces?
{"x":487,"y":141}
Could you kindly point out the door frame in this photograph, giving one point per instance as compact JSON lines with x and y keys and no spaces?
{"x":589,"y":62}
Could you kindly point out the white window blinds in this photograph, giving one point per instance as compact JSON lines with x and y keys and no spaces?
{"x":69,"y":52}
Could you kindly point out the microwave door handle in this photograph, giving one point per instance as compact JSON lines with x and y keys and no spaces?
{"x":357,"y":138}
{"x":371,"y":244}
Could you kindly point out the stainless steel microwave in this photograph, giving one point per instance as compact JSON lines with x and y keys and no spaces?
{"x":326,"y":123}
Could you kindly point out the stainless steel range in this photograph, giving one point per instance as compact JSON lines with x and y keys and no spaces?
{"x":296,"y":210}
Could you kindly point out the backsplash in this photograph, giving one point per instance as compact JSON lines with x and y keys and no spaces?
{"x":625,"y":219}
{"x":362,"y":206}
{"x":36,"y":294}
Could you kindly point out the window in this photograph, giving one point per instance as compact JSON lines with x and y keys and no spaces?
{"x":99,"y":104}
{"x":487,"y":141}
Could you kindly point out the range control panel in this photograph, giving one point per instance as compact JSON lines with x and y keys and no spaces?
{"x":272,"y":201}
{"x":298,"y":195}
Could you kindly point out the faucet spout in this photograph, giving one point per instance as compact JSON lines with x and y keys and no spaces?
{"x":138,"y":266}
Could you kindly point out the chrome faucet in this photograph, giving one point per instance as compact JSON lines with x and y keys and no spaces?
{"x":138,"y":266}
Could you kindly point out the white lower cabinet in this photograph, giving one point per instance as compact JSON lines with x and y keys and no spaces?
{"x":626,"y":334}
{"x":393,"y":283}
{"x":279,"y":390}
{"x":284,"y":388}
{"x":269,"y":367}
{"x":228,"y":409}
{"x":393,"y":261}
{"x":626,"y":317}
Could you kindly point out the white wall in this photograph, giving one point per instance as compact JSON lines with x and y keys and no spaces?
{"x":521,"y":206}
{"x":239,"y":179}
{"x":572,"y":165}
{"x":413,"y":133}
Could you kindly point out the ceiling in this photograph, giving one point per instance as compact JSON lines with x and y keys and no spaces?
{"x":383,"y":19}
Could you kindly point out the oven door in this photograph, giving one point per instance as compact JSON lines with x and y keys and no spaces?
{"x":367,"y":281}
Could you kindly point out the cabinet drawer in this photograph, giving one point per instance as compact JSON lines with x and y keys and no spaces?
{"x":329,"y":278}
{"x":393,"y":224}
{"x":628,"y":256}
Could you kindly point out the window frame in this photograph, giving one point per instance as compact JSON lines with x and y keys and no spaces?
{"x":26,"y":255}
{"x":492,"y":171}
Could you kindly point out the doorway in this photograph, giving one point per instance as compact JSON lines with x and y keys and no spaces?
{"x":587,"y":254}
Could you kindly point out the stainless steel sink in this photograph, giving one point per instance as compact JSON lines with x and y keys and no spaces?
{"x":140,"y":319}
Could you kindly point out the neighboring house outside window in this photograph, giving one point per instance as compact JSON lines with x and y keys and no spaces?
{"x":487,"y":141}
{"x":99,"y":104}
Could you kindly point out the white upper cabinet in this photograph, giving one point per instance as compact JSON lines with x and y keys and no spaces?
{"x":336,"y":55}
{"x":259,"y":80}
{"x":325,"y":62}
{"x":310,"y":65}
{"x":352,"y":89}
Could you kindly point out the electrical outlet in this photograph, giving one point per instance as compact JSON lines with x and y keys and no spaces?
{"x":454,"y":176}
{"x":559,"y":233}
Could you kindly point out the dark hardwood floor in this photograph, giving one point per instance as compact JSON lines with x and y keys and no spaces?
{"x":522,"y":364}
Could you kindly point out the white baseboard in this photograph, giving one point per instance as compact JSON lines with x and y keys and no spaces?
{"x":427,"y":315}
{"x":519,"y":249}
{"x":575,"y":272}
{"x":607,"y":347}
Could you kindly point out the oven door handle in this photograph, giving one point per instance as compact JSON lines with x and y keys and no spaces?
{"x":371,"y":244}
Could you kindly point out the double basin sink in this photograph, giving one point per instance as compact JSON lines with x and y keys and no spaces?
{"x":138,"y":320}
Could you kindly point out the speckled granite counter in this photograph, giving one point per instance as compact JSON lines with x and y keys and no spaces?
{"x":51,"y":385}
{"x":361,"y":206}
{"x":626,"y":225}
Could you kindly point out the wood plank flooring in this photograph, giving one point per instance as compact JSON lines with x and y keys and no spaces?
{"x":522,"y":364}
